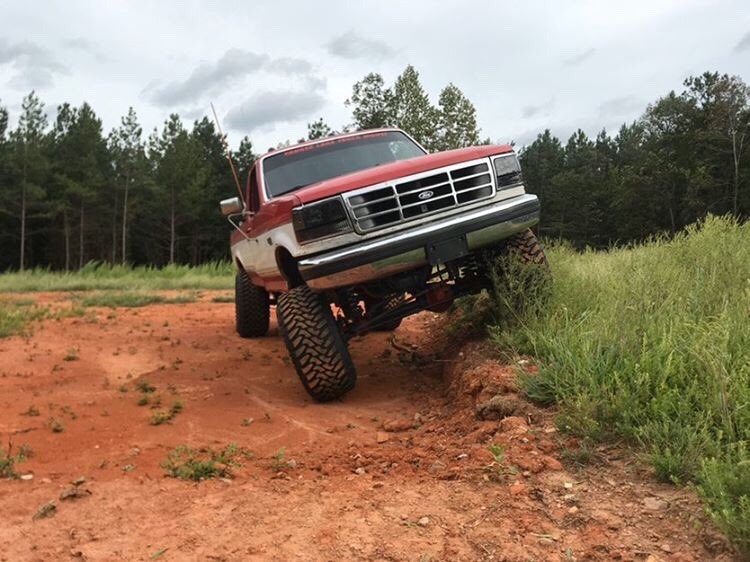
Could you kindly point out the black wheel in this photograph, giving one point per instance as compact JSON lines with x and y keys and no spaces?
{"x":526,"y":248}
{"x":315,"y":344}
{"x":251,"y":308}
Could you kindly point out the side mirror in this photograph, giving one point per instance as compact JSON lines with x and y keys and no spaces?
{"x":231,"y":206}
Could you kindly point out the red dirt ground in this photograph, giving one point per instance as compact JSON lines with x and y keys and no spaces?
{"x":398,"y":470}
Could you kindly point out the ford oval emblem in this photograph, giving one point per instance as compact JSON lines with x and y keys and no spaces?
{"x":425,"y":195}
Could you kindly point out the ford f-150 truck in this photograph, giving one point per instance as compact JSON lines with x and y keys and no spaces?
{"x":352,"y":233}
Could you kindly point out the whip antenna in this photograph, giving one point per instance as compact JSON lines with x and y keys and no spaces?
{"x":228,"y":153}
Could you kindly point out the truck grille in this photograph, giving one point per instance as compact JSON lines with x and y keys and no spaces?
{"x":408,"y":200}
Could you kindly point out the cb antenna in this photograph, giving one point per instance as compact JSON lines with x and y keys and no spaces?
{"x":228,"y":153}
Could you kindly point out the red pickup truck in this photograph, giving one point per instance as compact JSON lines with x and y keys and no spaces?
{"x":371,"y":223}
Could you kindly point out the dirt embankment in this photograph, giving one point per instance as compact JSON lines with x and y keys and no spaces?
{"x":440,"y":460}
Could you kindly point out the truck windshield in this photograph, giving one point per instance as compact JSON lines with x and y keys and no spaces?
{"x":296,"y":168}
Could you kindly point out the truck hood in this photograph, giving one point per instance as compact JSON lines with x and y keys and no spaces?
{"x":395,"y":170}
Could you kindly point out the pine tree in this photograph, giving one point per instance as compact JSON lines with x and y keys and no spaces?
{"x":244,"y":158}
{"x":129,"y":158}
{"x":29,"y":163}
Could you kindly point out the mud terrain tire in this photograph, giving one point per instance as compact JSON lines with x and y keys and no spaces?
{"x":251,"y":307}
{"x":315,"y":344}
{"x":526,"y":248}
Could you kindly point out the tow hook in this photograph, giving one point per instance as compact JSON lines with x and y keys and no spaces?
{"x":439,"y":297}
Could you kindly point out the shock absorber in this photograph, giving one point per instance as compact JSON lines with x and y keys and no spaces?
{"x":349,"y":302}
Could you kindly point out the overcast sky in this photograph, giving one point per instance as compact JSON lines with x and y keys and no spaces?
{"x":272,"y":66}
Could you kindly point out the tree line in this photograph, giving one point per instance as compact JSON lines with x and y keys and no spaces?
{"x":70,"y":194}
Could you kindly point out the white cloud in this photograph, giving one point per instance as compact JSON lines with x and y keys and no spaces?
{"x":352,"y":45}
{"x":266,"y":108}
{"x":34,"y":66}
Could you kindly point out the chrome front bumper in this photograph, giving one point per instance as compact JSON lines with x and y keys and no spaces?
{"x":405,"y":250}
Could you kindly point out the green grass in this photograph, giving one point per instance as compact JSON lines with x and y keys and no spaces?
{"x":652,"y":344}
{"x":9,"y":460}
{"x":98,"y":276}
{"x":186,"y":463}
{"x":132,"y":299}
{"x":159,"y":417}
{"x":15,"y":315}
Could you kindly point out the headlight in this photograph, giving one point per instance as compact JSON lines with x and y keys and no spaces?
{"x":319,"y":220}
{"x":508,"y":171}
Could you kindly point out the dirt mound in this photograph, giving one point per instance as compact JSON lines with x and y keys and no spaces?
{"x":430,"y":458}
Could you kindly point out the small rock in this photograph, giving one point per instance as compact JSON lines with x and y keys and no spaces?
{"x":666,"y":547}
{"x":398,"y":425}
{"x":461,"y":456}
{"x":568,"y":485}
{"x":546,"y":541}
{"x":654,"y":504}
{"x":552,"y":463}
{"x":382,"y":437}
{"x":573,"y":510}
{"x":436,"y":467}
{"x":27,"y":477}
{"x":652,"y":558}
{"x":360,"y":471}
{"x":423,"y":522}
{"x":45,"y":481}
{"x":79,"y":481}
{"x":518,"y":488}
{"x":515,"y":424}
{"x":497,"y":408}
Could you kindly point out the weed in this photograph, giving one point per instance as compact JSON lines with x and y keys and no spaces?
{"x":278,"y":461}
{"x":8,"y":460}
{"x":56,"y":425}
{"x":581,"y":455}
{"x":143,"y":400}
{"x":497,"y":452}
{"x":32,"y":411}
{"x":144,"y":386}
{"x":123,"y":388}
{"x":159,"y":417}
{"x":71,"y":354}
{"x":223,"y":299}
{"x":187,"y":463}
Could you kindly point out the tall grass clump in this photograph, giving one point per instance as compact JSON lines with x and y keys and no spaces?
{"x":652,"y":344}
{"x":101,"y":276}
{"x":14,"y":315}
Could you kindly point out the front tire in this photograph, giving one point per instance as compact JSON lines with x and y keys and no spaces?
{"x":251,"y":307}
{"x":525,"y":247}
{"x":315,"y":344}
